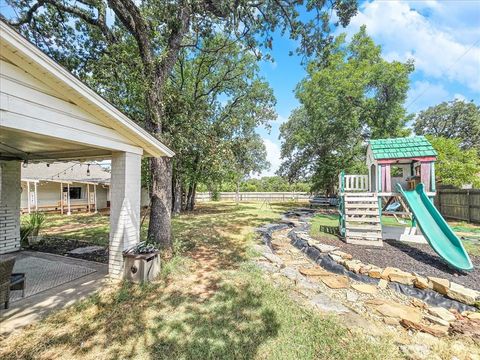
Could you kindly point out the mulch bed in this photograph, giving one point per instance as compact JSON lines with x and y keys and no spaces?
{"x":418,"y":258}
{"x":61,"y":246}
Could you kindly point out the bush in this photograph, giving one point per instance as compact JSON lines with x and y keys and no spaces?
{"x":31,"y":226}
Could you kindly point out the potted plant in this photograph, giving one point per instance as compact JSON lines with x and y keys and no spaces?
{"x":32,"y":227}
{"x":141,"y":262}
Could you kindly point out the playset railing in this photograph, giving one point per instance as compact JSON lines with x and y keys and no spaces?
{"x":353,"y":182}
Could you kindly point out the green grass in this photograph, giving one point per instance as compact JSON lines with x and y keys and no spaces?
{"x":243,"y":315}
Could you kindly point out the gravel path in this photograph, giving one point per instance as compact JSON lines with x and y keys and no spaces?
{"x":418,"y":258}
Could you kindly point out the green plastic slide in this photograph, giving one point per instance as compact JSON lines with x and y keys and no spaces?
{"x":435,"y":229}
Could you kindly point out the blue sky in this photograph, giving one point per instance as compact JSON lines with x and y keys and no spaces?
{"x":442,"y":36}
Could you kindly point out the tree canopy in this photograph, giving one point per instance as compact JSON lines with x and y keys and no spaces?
{"x":155,"y":34}
{"x":349,"y":96}
{"x":455,"y":166}
{"x":452,"y":120}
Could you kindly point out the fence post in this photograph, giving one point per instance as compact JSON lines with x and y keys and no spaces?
{"x":469,"y":207}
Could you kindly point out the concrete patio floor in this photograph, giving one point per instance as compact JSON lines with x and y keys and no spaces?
{"x":32,"y":308}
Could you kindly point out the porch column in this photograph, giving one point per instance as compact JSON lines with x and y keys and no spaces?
{"x":28,"y":197}
{"x":68,"y":200}
{"x":10,"y":193}
{"x":36,"y":196}
{"x":95,"y":198}
{"x":124,"y":208}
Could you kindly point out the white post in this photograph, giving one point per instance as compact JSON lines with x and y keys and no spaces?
{"x":10,"y":199}
{"x":95,"y":197}
{"x":124,"y":208}
{"x":36,"y":197}
{"x":68,"y":200}
{"x":28,"y":196}
{"x":61,"y":198}
{"x":88,"y":197}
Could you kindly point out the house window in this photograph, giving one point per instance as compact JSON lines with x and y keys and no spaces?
{"x":75,"y":192}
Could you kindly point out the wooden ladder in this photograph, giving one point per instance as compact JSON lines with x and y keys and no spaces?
{"x":362,"y":219}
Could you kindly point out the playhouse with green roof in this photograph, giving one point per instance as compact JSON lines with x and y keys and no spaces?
{"x":400,"y":182}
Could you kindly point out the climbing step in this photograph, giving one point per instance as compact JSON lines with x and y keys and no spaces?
{"x":365,"y":227}
{"x":363,"y":235}
{"x":363,"y":219}
{"x":361,"y":212}
{"x":361,"y":206}
{"x":361,"y":199}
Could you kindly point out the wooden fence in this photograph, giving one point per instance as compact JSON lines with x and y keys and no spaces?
{"x":459,"y":204}
{"x":255,"y":196}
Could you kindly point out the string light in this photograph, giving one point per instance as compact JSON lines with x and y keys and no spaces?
{"x":25,"y":164}
{"x":88,"y":170}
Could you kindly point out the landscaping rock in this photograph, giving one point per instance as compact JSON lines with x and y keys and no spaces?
{"x":336,"y":258}
{"x":421,"y":283}
{"x":86,"y":250}
{"x":365,"y":288}
{"x":462,"y":294}
{"x":354,"y":265}
{"x":324,"y":248}
{"x":436,"y":320}
{"x":402,"y":277}
{"x":418,"y":303}
{"x":387,"y":271}
{"x":327,"y":305}
{"x":471,"y":315}
{"x":435,"y":330}
{"x":352,"y":296}
{"x":290,"y":273}
{"x":262,"y":248}
{"x":307,"y":284}
{"x":416,"y":351}
{"x":336,"y":281}
{"x":376,"y":272}
{"x":342,"y":254}
{"x":382,"y":284}
{"x":440,"y":285}
{"x":399,"y":311}
{"x":469,"y":328}
{"x":442,"y":313}
{"x":391,"y":321}
{"x":316,"y":271}
{"x":273,"y":258}
{"x":365,"y":269}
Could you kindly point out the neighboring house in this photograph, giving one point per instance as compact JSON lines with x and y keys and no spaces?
{"x":64,"y":187}
{"x":48,"y":115}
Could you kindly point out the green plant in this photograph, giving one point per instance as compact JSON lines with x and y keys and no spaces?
{"x":35,"y":221}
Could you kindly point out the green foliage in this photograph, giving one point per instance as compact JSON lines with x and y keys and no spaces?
{"x":31,"y":226}
{"x":265,"y":184}
{"x":348,"y":97}
{"x":454,"y":165}
{"x":454,"y":119}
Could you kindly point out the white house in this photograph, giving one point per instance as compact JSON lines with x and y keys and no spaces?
{"x":47,"y":115}
{"x":64,"y":187}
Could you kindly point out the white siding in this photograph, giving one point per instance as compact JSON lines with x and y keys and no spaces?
{"x":9,"y":206}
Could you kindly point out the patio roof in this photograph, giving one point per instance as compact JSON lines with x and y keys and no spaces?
{"x":66,"y":172}
{"x":98,"y":123}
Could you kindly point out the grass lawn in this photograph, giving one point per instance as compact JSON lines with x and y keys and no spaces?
{"x":210,"y":303}
{"x":327,"y":225}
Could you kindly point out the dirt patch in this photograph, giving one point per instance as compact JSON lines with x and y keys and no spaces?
{"x":418,"y":258}
{"x":61,"y":246}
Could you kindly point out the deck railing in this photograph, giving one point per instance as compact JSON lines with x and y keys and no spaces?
{"x":353,"y":182}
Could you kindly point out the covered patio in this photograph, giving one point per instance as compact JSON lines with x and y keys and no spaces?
{"x":47,"y":115}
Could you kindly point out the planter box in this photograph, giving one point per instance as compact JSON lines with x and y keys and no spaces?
{"x":139,"y":268}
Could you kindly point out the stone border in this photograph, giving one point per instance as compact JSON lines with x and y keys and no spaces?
{"x":434,"y":291}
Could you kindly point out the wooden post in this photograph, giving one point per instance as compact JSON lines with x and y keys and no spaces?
{"x":28,"y":196}
{"x":36,"y":196}
{"x":95,"y":197}
{"x":68,"y":199}
{"x":88,"y":197}
{"x":469,"y":207}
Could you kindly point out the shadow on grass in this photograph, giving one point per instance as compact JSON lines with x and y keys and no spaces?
{"x":231,"y":324}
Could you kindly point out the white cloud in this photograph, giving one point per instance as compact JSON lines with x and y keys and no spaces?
{"x":273,"y":157}
{"x":427,"y":34}
{"x":423,"y":94}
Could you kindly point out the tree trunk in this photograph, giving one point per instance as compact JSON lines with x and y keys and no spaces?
{"x":191,"y":201}
{"x":177,"y":195}
{"x":237,"y":193}
{"x":159,"y":229}
{"x":188,"y":199}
